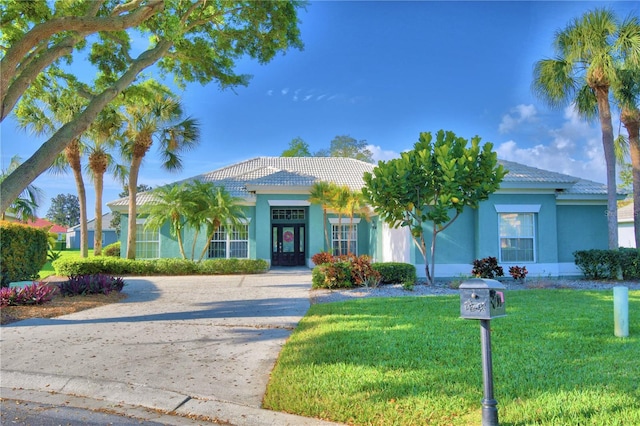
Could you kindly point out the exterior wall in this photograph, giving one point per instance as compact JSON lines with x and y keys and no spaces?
{"x":581,"y":228}
{"x":626,"y":234}
{"x":73,"y":238}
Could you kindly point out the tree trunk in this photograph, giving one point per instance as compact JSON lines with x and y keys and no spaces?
{"x":98,"y":182}
{"x":72,"y":154}
{"x":326,"y":233}
{"x":631,"y":121}
{"x":133,"y":192}
{"x":604,"y":113}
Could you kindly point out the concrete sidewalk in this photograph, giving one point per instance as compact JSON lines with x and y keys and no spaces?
{"x":196,"y":346}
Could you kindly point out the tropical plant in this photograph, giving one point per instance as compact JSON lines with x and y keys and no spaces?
{"x":156,"y":114}
{"x":339,"y":203}
{"x":322,"y":193}
{"x":627,"y":95}
{"x":583,"y":71}
{"x":220,"y":209}
{"x":429,"y":183}
{"x":25,"y":206}
{"x":104,"y":133}
{"x":200,"y":43}
{"x":43,"y":110}
{"x":171,"y":204}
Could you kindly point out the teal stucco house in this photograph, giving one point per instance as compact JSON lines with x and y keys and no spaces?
{"x":536,"y":219}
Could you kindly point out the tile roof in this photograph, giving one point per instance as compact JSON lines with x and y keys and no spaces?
{"x":43,"y":223}
{"x":286,"y":172}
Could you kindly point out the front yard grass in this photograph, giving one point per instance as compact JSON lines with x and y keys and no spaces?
{"x":412,"y":360}
{"x":47,"y":270}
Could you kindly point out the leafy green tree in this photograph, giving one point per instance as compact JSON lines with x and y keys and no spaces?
{"x":297,"y":148}
{"x":26,"y":205}
{"x":116,"y":217}
{"x":583,"y":72}
{"x":346,"y":146}
{"x":156,"y":114}
{"x":194,"y":41}
{"x":64,"y":210}
{"x":432,"y":182}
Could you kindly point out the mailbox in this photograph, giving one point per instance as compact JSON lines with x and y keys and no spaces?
{"x":482,"y":299}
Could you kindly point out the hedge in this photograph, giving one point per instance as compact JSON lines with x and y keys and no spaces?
{"x":605,"y":264}
{"x":23,"y":252}
{"x":169,"y":266}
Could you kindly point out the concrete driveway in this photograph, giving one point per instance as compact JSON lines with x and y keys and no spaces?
{"x":197,"y":345}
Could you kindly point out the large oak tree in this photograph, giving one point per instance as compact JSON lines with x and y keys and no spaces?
{"x":192,"y":40}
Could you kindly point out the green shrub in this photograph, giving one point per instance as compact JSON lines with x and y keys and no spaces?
{"x":23,"y":252}
{"x":112,"y":250}
{"x":332,"y":275}
{"x":604,"y":264}
{"x":170,"y":266}
{"x":396,"y":272}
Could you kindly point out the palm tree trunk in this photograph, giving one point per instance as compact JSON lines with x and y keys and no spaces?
{"x":133,"y":189}
{"x":604,"y":113}
{"x":72,"y":154}
{"x":326,"y":233}
{"x":98,"y":183}
{"x":631,"y":121}
{"x":209,"y":238}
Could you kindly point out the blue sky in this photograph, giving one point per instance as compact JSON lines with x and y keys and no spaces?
{"x":384,"y":72}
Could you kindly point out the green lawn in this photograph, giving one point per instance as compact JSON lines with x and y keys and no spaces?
{"x":412,"y":361}
{"x":48,"y":270}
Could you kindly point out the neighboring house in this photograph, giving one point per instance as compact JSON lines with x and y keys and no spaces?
{"x":626,"y":233}
{"x":61,"y":231}
{"x":109,"y":235}
{"x":536,"y":219}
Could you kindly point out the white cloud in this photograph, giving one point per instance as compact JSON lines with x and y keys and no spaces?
{"x":284,"y":91}
{"x":518,"y":115}
{"x":574,"y":148}
{"x":380,"y":154}
{"x":269,"y":92}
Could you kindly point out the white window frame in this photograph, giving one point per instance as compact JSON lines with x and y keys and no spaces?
{"x":140,"y":242}
{"x":353,"y":238}
{"x":519,"y":235}
{"x":229,"y":234}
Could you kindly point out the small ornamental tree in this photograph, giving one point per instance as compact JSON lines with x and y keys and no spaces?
{"x":433,"y":183}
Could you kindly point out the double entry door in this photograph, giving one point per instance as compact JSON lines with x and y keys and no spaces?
{"x":287,"y":245}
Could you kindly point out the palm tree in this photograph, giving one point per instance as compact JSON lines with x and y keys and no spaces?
{"x":157,"y":114}
{"x":627,"y":94}
{"x":105,"y":134}
{"x":586,"y":54}
{"x":25,"y":206}
{"x":340,"y":203}
{"x":356,"y":204}
{"x":221,"y":210}
{"x":61,"y":106}
{"x":321,"y":193}
{"x":171,"y":204}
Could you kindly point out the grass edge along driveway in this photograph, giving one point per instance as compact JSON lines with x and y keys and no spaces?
{"x":412,"y":360}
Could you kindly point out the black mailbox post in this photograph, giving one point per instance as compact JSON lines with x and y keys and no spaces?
{"x":483,"y":299}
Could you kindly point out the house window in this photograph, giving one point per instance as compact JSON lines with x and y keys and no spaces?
{"x":230,"y":242}
{"x":287,"y":214}
{"x":517,"y":237}
{"x":344,"y":238}
{"x":147,"y":242}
